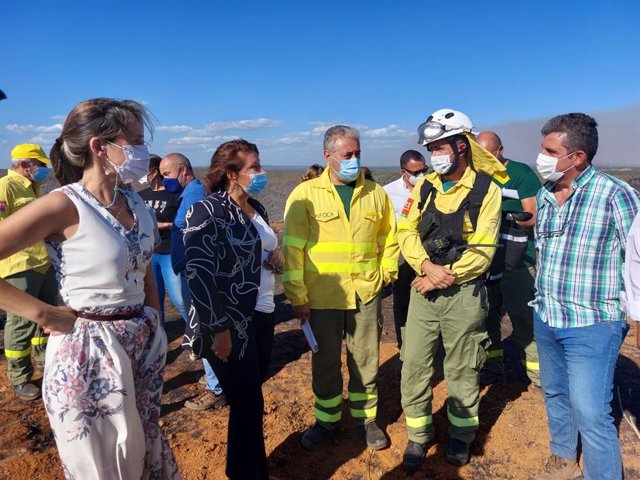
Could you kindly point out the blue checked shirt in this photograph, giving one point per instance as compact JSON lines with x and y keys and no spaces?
{"x":581,"y":247}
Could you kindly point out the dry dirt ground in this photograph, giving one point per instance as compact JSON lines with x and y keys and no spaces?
{"x":512,"y":442}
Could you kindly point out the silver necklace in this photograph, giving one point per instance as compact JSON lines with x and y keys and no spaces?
{"x":113,"y":202}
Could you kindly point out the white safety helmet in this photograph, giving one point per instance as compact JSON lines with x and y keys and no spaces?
{"x":444,"y":123}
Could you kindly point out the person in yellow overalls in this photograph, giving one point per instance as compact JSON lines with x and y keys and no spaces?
{"x":29,"y":270}
{"x":340,"y":249}
{"x":448,"y":232}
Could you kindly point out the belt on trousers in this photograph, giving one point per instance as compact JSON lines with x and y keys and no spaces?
{"x":110,"y":318}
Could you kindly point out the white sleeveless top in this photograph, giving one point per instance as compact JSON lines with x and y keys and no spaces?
{"x":101,"y":268}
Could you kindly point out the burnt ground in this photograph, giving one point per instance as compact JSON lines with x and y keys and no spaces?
{"x":512,"y":442}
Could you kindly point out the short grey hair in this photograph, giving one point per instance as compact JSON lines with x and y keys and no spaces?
{"x":338,"y":131}
{"x":15,"y":162}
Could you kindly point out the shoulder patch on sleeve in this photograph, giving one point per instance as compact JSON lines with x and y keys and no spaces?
{"x":406,"y":208}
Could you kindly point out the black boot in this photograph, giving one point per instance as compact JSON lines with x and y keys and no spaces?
{"x":414,"y":455}
{"x":314,"y":436}
{"x":27,"y":391}
{"x":457,"y":452}
{"x":376,"y":439}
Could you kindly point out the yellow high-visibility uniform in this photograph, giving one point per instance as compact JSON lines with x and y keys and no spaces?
{"x":338,"y":264}
{"x":474,"y":261}
{"x":17,"y":191}
{"x":455,"y":314}
{"x":30,"y":271}
{"x":329,"y":258}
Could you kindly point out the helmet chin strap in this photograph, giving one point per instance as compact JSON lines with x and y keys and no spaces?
{"x":456,"y":158}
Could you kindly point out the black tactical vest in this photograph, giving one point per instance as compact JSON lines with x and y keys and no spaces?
{"x":442,"y":233}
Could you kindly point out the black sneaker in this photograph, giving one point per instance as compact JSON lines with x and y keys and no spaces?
{"x":314,"y":436}
{"x":27,"y":391}
{"x":414,"y":455}
{"x":376,"y":439}
{"x":457,"y":452}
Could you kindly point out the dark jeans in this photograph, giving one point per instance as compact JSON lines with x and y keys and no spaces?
{"x":241,"y":380}
{"x":401,"y":294}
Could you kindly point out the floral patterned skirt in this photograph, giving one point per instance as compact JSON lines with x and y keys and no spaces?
{"x":102,"y":388}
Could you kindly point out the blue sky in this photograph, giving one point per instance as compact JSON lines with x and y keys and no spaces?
{"x":279,"y":73}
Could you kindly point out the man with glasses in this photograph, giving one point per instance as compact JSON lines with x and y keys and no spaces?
{"x":29,"y":270}
{"x":412,"y":168}
{"x":340,"y":249}
{"x":583,"y":219}
{"x":448,"y":231}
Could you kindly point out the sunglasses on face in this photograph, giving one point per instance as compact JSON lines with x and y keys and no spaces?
{"x":417,"y":172}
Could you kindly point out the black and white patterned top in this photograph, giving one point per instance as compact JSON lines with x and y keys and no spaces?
{"x":223,"y":270}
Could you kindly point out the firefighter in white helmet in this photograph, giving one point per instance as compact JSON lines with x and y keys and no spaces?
{"x":448,"y":233}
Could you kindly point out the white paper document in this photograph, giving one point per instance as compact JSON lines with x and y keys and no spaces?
{"x":510,"y":193}
{"x":311,"y":338}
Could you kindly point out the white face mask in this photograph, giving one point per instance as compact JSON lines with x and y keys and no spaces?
{"x":441,"y":163}
{"x":135,"y":165}
{"x":413,"y":179}
{"x":546,"y":166}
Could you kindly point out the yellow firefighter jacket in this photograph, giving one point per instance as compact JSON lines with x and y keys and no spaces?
{"x":475,"y":260}
{"x":329,"y":258}
{"x":17,"y":191}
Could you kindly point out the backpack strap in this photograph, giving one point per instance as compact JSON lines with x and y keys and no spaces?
{"x":476,"y":197}
{"x":425,"y":189}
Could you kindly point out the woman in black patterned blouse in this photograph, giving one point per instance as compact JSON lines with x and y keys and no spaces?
{"x":231,"y":256}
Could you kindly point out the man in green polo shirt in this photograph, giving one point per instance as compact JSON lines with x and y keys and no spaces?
{"x":515,"y":289}
{"x":29,"y":270}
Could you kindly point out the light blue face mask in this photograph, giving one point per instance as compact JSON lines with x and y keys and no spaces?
{"x":40,"y":174}
{"x":258,"y":183}
{"x":349,"y":169}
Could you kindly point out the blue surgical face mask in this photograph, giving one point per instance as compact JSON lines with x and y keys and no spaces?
{"x":258,"y":183}
{"x":172,"y":185}
{"x":349,"y":169}
{"x":40,"y":174}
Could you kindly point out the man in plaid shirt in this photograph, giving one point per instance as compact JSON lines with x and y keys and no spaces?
{"x":583,"y":218}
